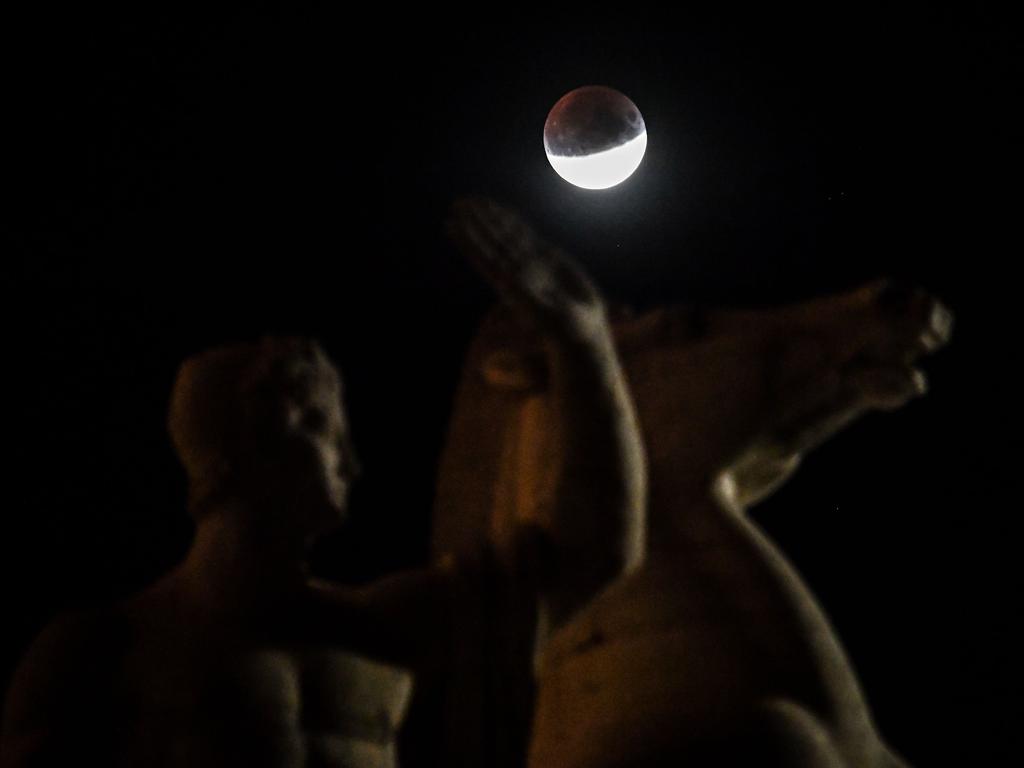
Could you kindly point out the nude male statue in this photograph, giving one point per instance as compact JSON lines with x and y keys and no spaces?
{"x":213,"y":665}
{"x":239,"y":657}
{"x":714,"y":652}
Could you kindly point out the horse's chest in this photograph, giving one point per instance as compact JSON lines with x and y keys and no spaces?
{"x":644,"y":660}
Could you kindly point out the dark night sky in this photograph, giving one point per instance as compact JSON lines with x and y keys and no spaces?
{"x":185,"y":182}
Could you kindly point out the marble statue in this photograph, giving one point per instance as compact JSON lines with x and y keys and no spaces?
{"x":713,"y":652}
{"x":239,"y":656}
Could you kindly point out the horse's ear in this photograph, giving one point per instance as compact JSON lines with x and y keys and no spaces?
{"x":620,"y":313}
{"x":516,"y":371}
{"x":641,"y":330}
{"x":678,"y":324}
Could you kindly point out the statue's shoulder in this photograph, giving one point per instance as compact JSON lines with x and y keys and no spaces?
{"x":68,"y":679}
{"x":76,"y":645}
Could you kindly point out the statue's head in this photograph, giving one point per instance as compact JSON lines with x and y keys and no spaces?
{"x":264,"y":423}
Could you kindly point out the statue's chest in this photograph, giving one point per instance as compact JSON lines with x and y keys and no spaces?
{"x":279,"y":707}
{"x":318,"y":690}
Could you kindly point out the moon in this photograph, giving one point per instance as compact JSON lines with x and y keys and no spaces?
{"x":595,"y":137}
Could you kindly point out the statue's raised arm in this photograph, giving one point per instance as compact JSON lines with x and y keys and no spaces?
{"x":580,"y":488}
{"x":542,"y":481}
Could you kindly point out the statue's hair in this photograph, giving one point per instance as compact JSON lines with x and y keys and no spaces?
{"x":227,"y":404}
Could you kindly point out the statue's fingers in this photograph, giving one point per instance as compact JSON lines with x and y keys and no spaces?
{"x":485,"y":252}
{"x":516,"y":285}
{"x":540,"y":282}
{"x":511,"y":251}
{"x":510,"y":227}
{"x":514,"y":241}
{"x":473,"y":249}
{"x":520,"y":243}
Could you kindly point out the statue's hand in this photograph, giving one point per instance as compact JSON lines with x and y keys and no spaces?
{"x":545,"y":288}
{"x":737,"y":397}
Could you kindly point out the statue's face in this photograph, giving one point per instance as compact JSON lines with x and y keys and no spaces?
{"x":321,"y":461}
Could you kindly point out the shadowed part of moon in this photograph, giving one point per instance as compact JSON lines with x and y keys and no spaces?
{"x":591,"y":119}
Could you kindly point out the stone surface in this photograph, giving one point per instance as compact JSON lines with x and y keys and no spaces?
{"x":714,"y":646}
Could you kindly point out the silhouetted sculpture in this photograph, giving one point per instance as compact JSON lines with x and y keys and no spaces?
{"x":239,"y":657}
{"x":714,"y":653}
{"x":585,"y":489}
{"x":219,"y":663}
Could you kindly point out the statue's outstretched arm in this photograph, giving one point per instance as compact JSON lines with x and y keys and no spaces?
{"x":404,"y":618}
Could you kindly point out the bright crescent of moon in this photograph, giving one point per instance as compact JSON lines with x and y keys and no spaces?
{"x":601,"y":170}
